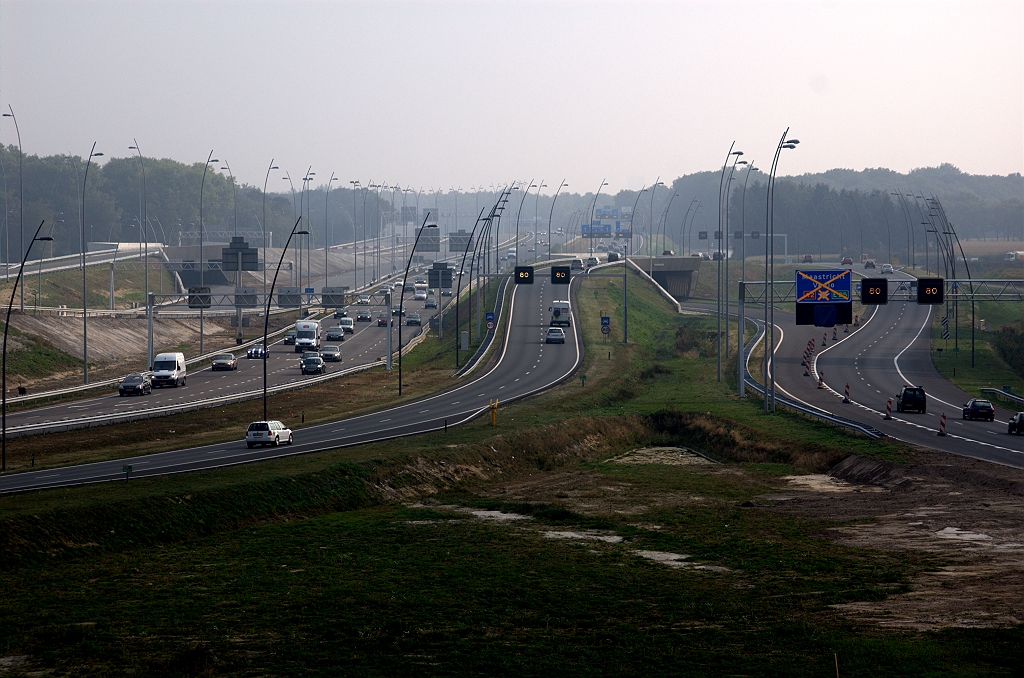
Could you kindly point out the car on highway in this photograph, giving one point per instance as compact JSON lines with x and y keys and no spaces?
{"x":348,"y":326}
{"x":976,"y":408}
{"x":268,"y":433}
{"x":397,"y":310}
{"x":382,"y":320}
{"x":313,"y":365}
{"x":912,"y":398}
{"x":420,"y":280}
{"x":335,"y":333}
{"x":331,"y":354}
{"x":613,"y":256}
{"x":257,"y":351}
{"x":224,"y":361}
{"x":363,"y":316}
{"x":808,"y":259}
{"x":364,"y":300}
{"x":555,"y":335}
{"x":576,"y":265}
{"x":847,"y":261}
{"x":289,"y":338}
{"x":1016,"y":424}
{"x":431,"y":302}
{"x":340,"y":313}
{"x":419,"y":295}
{"x":592,"y":261}
{"x":870,"y":263}
{"x":387,"y":287}
{"x":135,"y":384}
{"x":413,"y":319}
{"x":887,"y":269}
{"x":446,"y":292}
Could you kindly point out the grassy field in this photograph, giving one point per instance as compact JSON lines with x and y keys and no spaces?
{"x":330,"y":563}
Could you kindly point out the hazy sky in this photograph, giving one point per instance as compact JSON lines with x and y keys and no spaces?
{"x":461,"y":94}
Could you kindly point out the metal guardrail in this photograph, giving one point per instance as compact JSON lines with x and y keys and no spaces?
{"x":1006,"y":395}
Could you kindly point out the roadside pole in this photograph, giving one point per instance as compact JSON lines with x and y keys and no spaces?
{"x":741,"y":386}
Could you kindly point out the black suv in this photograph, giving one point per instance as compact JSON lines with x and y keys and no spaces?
{"x":1016,"y":424}
{"x":912,"y":398}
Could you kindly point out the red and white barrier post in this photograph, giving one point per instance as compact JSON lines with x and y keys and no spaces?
{"x":824,"y":336}
{"x":888,"y":410}
{"x":846,"y":329}
{"x":821,"y":379}
{"x":834,"y":337}
{"x":942,"y":425}
{"x":846,"y":400}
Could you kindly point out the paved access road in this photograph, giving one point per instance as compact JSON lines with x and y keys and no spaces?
{"x":526,"y":366}
{"x":889,"y":349}
{"x":366,"y":345}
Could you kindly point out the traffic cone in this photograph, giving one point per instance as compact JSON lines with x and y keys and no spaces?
{"x":834,"y":337}
{"x":824,"y":336}
{"x":846,"y":329}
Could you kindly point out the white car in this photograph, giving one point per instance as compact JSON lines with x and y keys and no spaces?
{"x":555,"y":335}
{"x":886,"y":269}
{"x":268,"y":433}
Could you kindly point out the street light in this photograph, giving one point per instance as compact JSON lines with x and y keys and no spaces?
{"x":741,"y":384}
{"x":552,"y":213}
{"x":769,"y":253}
{"x":202,"y":275}
{"x":720,"y":233}
{"x":525,"y":193}
{"x":85,"y":294}
{"x":145,"y":220}
{"x":327,"y":226}
{"x":401,"y":299}
{"x":21,"y":198}
{"x":266,"y":311}
{"x":7,"y":325}
{"x":625,"y":267}
{"x":355,"y":238}
{"x":39,"y":270}
{"x":270,"y":167}
{"x":536,"y":219}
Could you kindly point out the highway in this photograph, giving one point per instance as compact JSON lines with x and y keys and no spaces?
{"x":890,"y":349}
{"x":526,"y":366}
{"x":365,"y":345}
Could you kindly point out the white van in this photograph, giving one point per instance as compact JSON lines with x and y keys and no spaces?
{"x":347,"y":325}
{"x":307,"y":336}
{"x":169,"y":369}
{"x":560,"y":314}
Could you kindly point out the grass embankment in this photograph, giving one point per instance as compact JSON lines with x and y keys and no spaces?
{"x":952,"y":357}
{"x":65,"y":287}
{"x":31,"y":357}
{"x":309,"y":565}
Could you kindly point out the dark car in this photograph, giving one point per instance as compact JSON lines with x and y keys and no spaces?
{"x":413,"y":319}
{"x":382,"y":320}
{"x":135,"y":384}
{"x":289,"y":338}
{"x":257,"y":351}
{"x":912,"y":398}
{"x":847,"y":261}
{"x":335,"y":334}
{"x":613,"y":256}
{"x":397,"y":310}
{"x":431,"y":302}
{"x":976,"y":408}
{"x":363,"y":316}
{"x":870,"y":263}
{"x":331,"y":354}
{"x":1016,"y":425}
{"x":340,"y":313}
{"x":808,"y":259}
{"x":224,"y":361}
{"x":314,"y":365}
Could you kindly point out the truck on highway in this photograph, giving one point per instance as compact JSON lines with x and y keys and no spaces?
{"x":307,"y":336}
{"x":560,"y":313}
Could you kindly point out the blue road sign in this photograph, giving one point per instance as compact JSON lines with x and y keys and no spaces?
{"x":605,"y":321}
{"x":310,"y":290}
{"x":823,"y":287}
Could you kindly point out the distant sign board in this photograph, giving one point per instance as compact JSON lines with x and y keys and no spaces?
{"x":199,"y":297}
{"x":334,"y":296}
{"x":606,"y":321}
{"x":245,"y":297}
{"x":459,"y":241}
{"x":429,"y":239}
{"x":490,"y":320}
{"x":289,"y":297}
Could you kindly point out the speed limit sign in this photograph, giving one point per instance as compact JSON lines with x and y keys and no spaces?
{"x":490,"y":320}
{"x":605,"y":329}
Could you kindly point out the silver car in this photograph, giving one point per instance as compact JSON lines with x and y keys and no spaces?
{"x":268,"y":433}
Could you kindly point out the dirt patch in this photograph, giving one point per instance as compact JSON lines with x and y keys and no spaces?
{"x":674,"y":456}
{"x":963,"y":511}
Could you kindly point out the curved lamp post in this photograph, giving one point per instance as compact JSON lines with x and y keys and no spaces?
{"x":145,"y":220}
{"x":202,"y":273}
{"x":525,"y":193}
{"x":7,"y":325}
{"x":769,"y":253}
{"x":21,"y":199}
{"x":722,"y":234}
{"x":266,"y":311}
{"x":266,"y":226}
{"x":327,"y":227}
{"x":85,"y":295}
{"x":741,"y":387}
{"x":552,"y":213}
{"x":401,"y":299}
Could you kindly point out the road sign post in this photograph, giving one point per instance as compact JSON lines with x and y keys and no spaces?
{"x":490,"y":321}
{"x":824,"y":298}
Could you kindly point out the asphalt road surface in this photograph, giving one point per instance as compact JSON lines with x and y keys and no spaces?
{"x":526,"y":366}
{"x":890,"y":349}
